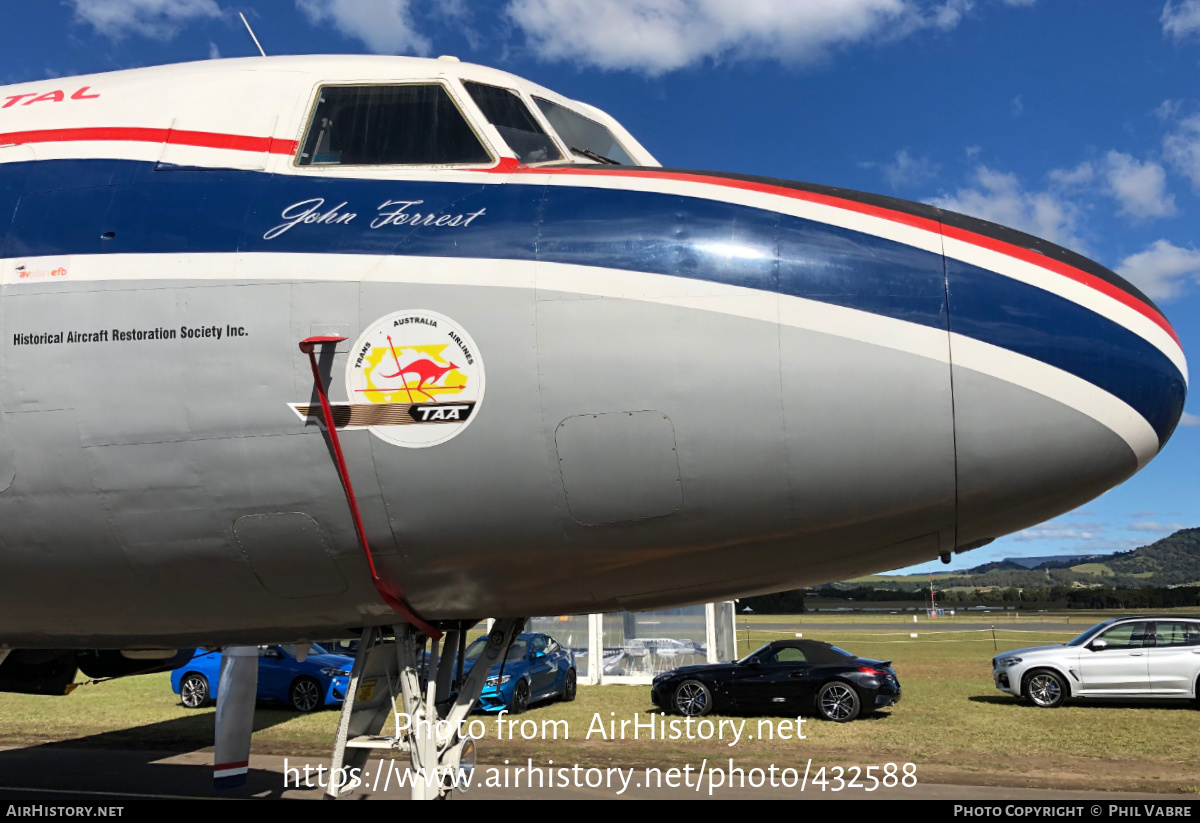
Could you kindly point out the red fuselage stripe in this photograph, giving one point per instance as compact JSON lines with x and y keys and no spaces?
{"x":204,"y":139}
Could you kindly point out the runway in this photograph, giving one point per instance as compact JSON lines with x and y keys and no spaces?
{"x":59,"y":775}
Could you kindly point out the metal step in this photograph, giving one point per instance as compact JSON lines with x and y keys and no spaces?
{"x":379,"y":741}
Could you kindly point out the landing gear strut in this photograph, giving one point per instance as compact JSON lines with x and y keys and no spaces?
{"x":429,"y":728}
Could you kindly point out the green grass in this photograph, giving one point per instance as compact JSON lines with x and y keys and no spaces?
{"x":1100,"y":569}
{"x":951,"y":722}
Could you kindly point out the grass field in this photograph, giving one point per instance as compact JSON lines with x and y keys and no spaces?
{"x":951,"y":723}
{"x":1100,"y":569}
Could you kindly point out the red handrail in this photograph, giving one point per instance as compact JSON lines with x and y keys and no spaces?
{"x":388,"y":590}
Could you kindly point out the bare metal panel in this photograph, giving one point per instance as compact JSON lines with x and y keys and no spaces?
{"x":619,"y":466}
{"x":288,"y":554}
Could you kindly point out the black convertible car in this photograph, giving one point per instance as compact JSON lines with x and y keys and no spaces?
{"x":786,"y":676}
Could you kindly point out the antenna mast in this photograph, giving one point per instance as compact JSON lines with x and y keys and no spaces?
{"x":252,"y":37}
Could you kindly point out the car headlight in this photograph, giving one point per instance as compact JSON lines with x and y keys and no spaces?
{"x":1005,"y":662}
{"x":497,"y":680}
{"x":330,"y":671}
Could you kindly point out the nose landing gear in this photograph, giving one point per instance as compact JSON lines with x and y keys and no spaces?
{"x":441,"y":756}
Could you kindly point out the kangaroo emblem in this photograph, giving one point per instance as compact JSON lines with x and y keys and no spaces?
{"x":426,"y":370}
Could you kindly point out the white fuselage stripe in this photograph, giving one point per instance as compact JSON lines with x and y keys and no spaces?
{"x":702,"y":295}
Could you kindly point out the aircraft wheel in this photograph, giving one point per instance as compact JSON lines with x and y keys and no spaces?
{"x":305,"y":695}
{"x":193,"y":690}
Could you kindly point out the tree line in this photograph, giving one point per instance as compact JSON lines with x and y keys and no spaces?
{"x":793,"y":602}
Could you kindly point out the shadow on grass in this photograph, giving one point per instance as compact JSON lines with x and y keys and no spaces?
{"x":128,"y":761}
{"x":1098,"y":703}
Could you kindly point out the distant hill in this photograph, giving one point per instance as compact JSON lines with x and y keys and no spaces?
{"x":1058,"y":561}
{"x":1007,"y":564}
{"x":1172,"y":561}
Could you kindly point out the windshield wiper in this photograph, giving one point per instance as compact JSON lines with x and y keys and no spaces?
{"x":591,"y":155}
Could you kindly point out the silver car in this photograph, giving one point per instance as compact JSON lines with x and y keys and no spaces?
{"x":1121,"y":658}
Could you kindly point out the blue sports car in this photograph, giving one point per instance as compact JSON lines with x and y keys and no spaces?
{"x":536,"y":668}
{"x":321,"y":680}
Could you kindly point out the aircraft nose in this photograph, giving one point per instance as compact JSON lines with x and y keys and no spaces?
{"x":1066,"y":378}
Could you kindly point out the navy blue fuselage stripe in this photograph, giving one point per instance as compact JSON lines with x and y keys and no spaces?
{"x":972,"y":224}
{"x":742,"y":246}
{"x":995,"y":309}
{"x":66,"y":207}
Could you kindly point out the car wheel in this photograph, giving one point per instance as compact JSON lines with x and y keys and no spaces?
{"x":305,"y":695}
{"x":838,"y":701}
{"x":570,"y":686}
{"x":520,"y":698}
{"x":1045,"y":689}
{"x":693,"y":699}
{"x":193,"y":690}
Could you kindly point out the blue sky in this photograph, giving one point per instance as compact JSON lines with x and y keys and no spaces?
{"x":1075,"y":120}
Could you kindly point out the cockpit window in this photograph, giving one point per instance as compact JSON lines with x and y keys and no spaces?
{"x":505,"y":110}
{"x":408,"y":125}
{"x":583,"y":136}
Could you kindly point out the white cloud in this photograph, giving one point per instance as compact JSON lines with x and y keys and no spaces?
{"x":1140,"y":188}
{"x":156,"y":19}
{"x":950,"y":14}
{"x":657,"y":36}
{"x":1189,"y":420}
{"x":906,"y":170}
{"x":1181,"y":19}
{"x":1151,"y":526}
{"x":1055,"y":531}
{"x":1000,"y":198}
{"x":1162,"y":270}
{"x":214,"y":53}
{"x":1168,"y":110}
{"x":383,"y":26}
{"x":1081,"y":175}
{"x":1181,"y":148}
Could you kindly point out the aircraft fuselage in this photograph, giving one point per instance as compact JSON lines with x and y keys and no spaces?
{"x":563,"y":388}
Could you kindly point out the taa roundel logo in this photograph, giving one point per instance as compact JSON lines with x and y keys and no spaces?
{"x":415,"y":379}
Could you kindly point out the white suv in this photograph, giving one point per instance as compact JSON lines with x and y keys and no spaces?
{"x":1126,"y":657}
